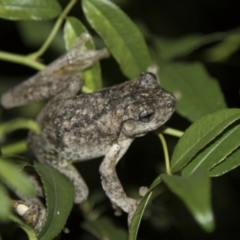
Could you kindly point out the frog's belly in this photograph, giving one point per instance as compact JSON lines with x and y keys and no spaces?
{"x":82,"y":153}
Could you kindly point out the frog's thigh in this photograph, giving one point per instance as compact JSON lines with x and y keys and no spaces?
{"x":66,"y":168}
{"x":110,"y":181}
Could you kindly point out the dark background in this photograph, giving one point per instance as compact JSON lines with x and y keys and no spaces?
{"x":167,"y":217}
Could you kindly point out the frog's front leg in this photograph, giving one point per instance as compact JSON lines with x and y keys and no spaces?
{"x":110,"y":181}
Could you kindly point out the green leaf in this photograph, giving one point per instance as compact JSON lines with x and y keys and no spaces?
{"x":120,"y":34}
{"x":194,"y":191}
{"x":136,"y":220}
{"x":199,"y":134}
{"x":155,"y":183}
{"x":103,"y":228}
{"x":5,"y":206}
{"x":14,"y":179}
{"x":28,"y":230}
{"x":133,"y":229}
{"x":29,"y":9}
{"x":73,"y":28}
{"x":59,"y":193}
{"x":198,"y":93}
{"x":231,"y":162}
{"x":170,"y":48}
{"x":216,"y":151}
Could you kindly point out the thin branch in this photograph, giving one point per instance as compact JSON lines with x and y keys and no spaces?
{"x":54,"y":31}
{"x":21,"y":59}
{"x":165,"y":151}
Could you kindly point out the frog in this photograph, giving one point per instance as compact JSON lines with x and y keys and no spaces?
{"x":80,"y":127}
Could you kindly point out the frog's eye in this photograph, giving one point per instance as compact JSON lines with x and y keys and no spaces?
{"x":146,"y":116}
{"x":148,"y":80}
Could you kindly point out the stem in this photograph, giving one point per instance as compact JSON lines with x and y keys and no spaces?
{"x":86,"y":89}
{"x":54,"y":31}
{"x":17,"y":124}
{"x":173,"y":132}
{"x":165,"y":151}
{"x":31,"y":59}
{"x":21,"y":59}
{"x":14,"y":148}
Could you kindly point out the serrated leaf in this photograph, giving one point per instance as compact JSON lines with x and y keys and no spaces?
{"x":197,"y":92}
{"x":73,"y":28}
{"x":216,"y":151}
{"x":103,"y":228}
{"x":199,"y":134}
{"x":14,"y":179}
{"x":231,"y":162}
{"x":28,"y":230}
{"x":5,"y":206}
{"x":59,"y":192}
{"x":29,"y":9}
{"x":120,"y":34}
{"x":194,"y":191}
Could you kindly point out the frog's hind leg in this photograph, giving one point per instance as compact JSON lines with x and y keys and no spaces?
{"x":54,"y":78}
{"x":51,"y":157}
{"x":66,"y":168}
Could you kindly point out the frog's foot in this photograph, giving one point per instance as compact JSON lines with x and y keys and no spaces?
{"x":117,"y":210}
{"x":134,"y":204}
{"x":142,"y":192}
{"x":78,"y":58}
{"x":32,"y":212}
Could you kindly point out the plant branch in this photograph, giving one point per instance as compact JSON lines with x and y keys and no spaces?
{"x":54,"y":31}
{"x":165,"y":151}
{"x":14,"y":148}
{"x":21,"y":59}
{"x":173,"y":132}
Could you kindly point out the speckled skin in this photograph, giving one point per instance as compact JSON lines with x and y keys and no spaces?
{"x":103,"y":123}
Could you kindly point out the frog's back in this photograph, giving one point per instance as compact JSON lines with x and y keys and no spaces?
{"x":80,"y":127}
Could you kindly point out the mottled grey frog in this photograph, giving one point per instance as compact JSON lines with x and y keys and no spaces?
{"x":82,"y":127}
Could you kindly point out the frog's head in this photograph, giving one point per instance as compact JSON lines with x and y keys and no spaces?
{"x":151,"y":106}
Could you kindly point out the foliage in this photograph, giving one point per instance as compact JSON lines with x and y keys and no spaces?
{"x":208,"y":148}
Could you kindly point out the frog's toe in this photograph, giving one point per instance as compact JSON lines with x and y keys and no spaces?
{"x":81,"y":194}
